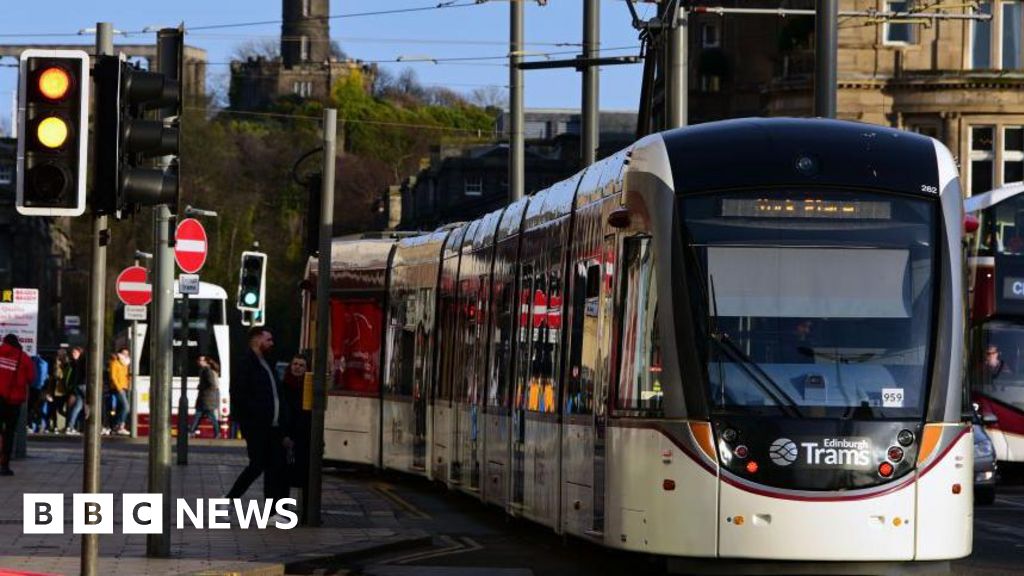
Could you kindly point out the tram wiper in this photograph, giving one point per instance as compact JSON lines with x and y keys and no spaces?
{"x":758,"y":375}
{"x":746,"y":363}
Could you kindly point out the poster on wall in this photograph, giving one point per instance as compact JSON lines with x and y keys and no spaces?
{"x":19,"y":315}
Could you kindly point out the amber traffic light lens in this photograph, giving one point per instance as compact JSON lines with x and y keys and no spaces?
{"x":52,"y":132}
{"x":54,"y":83}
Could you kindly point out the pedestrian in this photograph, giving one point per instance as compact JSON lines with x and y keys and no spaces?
{"x":16,"y":373}
{"x":57,"y":391}
{"x":119,"y":385}
{"x":208,"y":399}
{"x":294,"y":387}
{"x":37,"y":395}
{"x":261,"y":410}
{"x":76,"y":388}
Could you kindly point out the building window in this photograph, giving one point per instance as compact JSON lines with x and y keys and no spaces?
{"x":304,"y":48}
{"x":6,"y":173}
{"x":709,"y":36}
{"x":305,"y":8}
{"x":303,"y":89}
{"x":1013,"y":154}
{"x":897,"y":32}
{"x":982,"y":159}
{"x":930,"y":130}
{"x":981,"y":39}
{"x":1012,"y":27}
{"x":474,"y":186}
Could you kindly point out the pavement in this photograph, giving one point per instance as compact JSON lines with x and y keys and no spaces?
{"x":357,"y":518}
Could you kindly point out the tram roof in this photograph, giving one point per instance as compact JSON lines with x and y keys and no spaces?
{"x":992,"y":197}
{"x":755,"y":153}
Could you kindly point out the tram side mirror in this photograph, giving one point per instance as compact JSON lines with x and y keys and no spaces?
{"x":970,"y":224}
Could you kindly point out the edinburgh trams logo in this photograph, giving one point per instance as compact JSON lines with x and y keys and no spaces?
{"x":783,"y":452}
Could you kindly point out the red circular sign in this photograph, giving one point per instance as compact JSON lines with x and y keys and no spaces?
{"x":190,"y":245}
{"x":132,"y":286}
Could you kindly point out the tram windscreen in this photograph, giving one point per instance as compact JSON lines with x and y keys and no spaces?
{"x":204,"y":314}
{"x":997,"y":361}
{"x":815,"y":313}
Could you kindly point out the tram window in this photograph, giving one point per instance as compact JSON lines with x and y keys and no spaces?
{"x":497,"y":394}
{"x":524,"y":336}
{"x":579,"y":396}
{"x":1002,"y":228}
{"x":355,"y":345}
{"x":640,"y":376}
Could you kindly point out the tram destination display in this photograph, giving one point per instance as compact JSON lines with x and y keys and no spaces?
{"x":806,"y":208}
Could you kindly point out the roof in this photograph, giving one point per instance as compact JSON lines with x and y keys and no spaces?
{"x":992,"y":197}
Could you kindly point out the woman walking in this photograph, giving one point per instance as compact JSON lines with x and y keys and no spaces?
{"x":208,"y":401}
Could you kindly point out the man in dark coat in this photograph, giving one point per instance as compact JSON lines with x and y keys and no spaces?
{"x":259,"y":406}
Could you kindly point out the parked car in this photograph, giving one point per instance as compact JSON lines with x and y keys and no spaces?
{"x":986,"y":473}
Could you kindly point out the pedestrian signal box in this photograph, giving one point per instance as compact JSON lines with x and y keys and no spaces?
{"x":53,"y":132}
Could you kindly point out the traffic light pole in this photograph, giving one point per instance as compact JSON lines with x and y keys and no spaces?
{"x":311,"y":501}
{"x":94,"y":387}
{"x":162,"y":336}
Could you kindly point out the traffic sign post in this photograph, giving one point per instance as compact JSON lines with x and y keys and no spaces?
{"x":135,"y":292}
{"x":190,"y":254}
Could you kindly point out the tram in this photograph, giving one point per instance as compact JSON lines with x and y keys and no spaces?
{"x":996,"y":265}
{"x":738,"y":341}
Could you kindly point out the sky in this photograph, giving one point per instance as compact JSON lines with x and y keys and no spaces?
{"x":473,"y":30}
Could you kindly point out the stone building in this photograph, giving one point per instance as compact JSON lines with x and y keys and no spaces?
{"x":34,"y":253}
{"x":465,"y":182}
{"x":957,"y":80}
{"x":307,"y":66}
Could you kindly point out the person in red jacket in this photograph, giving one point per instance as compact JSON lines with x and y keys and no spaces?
{"x":16,"y":371}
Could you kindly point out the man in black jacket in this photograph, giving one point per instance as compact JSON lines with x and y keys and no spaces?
{"x":259,"y":407}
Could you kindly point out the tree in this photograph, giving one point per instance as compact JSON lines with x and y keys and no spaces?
{"x":265,"y":48}
{"x":490,"y":97}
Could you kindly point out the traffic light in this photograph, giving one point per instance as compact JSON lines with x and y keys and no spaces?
{"x":126,"y":139}
{"x":252,"y":280}
{"x":53,"y":132}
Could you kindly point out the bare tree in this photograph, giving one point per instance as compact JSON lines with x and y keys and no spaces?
{"x":489,"y":97}
{"x":266,"y":48}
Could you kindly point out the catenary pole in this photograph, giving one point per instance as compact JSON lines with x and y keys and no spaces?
{"x":591,"y":81}
{"x":677,"y":80}
{"x":516,"y":148}
{"x":825,"y":58}
{"x":97,"y":312}
{"x":321,"y":367}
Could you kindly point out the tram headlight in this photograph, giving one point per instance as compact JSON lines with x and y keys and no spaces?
{"x":905,"y":437}
{"x":885,"y":470}
{"x":895,"y":454}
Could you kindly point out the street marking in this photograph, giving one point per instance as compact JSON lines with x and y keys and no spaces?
{"x":452,"y":546}
{"x":387,"y":491}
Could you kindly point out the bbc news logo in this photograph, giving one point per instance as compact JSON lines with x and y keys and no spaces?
{"x":143,"y":514}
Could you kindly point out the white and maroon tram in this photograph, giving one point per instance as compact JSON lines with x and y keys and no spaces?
{"x":996,"y":367}
{"x":736,"y":341}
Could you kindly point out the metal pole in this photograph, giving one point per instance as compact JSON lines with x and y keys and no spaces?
{"x":678,"y":68}
{"x":825,"y":58}
{"x":134,"y":391}
{"x":311,"y":502}
{"x":94,"y":385}
{"x":591,"y":81}
{"x":516,"y":147}
{"x":183,"y":392}
{"x":161,"y":336}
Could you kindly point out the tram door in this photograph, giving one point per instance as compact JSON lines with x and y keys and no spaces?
{"x":605,"y":362}
{"x":523,"y":369}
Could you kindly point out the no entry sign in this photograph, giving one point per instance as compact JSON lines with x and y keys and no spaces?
{"x":132,"y":286}
{"x":190,"y":245}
